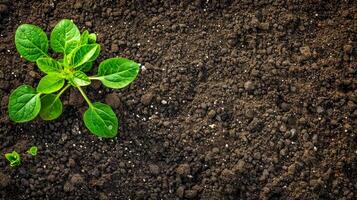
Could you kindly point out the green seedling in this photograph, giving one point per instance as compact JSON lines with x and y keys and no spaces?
{"x":79,"y":51}
{"x":32,"y":151}
{"x":14,"y":158}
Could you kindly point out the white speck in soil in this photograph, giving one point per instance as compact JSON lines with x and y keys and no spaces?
{"x":143,"y":68}
{"x":164,"y":102}
{"x":212,"y":125}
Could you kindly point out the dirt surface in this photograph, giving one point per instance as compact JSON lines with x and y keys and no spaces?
{"x":249,"y":99}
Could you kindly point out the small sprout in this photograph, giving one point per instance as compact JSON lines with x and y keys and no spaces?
{"x":32,"y":151}
{"x":13,"y":158}
{"x":79,"y":51}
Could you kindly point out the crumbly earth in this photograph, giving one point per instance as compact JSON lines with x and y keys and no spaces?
{"x":249,"y":99}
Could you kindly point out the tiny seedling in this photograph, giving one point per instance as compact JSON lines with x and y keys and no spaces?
{"x":79,"y":51}
{"x":13,"y":158}
{"x":32,"y":151}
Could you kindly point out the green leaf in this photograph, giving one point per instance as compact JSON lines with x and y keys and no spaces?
{"x":95,"y":56}
{"x":51,"y":107}
{"x":80,"y":79}
{"x":71,"y":45}
{"x":117,"y":72}
{"x":63,"y":33}
{"x":84,"y":54}
{"x":14,"y":158}
{"x":84,"y":37}
{"x":50,"y":83}
{"x":49,"y":65}
{"x":92,"y":38}
{"x":31,"y":42}
{"x":24,"y":104}
{"x":86,"y":67}
{"x":101,"y":120}
{"x":32,"y":151}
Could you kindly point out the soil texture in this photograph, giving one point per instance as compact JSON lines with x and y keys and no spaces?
{"x":246,"y":99}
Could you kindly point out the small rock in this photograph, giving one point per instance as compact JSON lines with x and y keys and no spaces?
{"x":265,"y":175}
{"x":183,"y":169}
{"x":140,"y":194}
{"x":88,"y":24}
{"x":68,"y":187}
{"x":227,"y":174}
{"x":95,"y":85}
{"x":347,"y":49}
{"x":239,"y":167}
{"x":51,"y":178}
{"x":282,"y":128}
{"x":4,"y":180}
{"x":76,"y":179}
{"x":71,"y":163}
{"x":78,"y":5}
{"x":113,"y":100}
{"x":347,"y":127}
{"x":114,"y":48}
{"x":154,"y":169}
{"x":211,"y":114}
{"x":314,"y":138}
{"x":180,"y":191}
{"x":75,"y":98}
{"x":249,"y":85}
{"x":215,"y":150}
{"x":3,"y":8}
{"x":33,"y":74}
{"x":285,"y":106}
{"x":190,"y":194}
{"x":254,"y":72}
{"x":305,"y":51}
{"x":146,"y":98}
{"x":264,"y":25}
{"x":319,"y":109}
{"x":103,"y":196}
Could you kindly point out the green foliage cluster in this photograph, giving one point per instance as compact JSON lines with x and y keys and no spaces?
{"x":32,"y":151}
{"x":79,"y":51}
{"x":14,"y":158}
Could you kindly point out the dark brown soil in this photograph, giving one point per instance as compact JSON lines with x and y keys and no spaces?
{"x":249,"y":99}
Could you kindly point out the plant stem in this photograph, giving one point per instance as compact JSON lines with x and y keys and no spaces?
{"x":61,"y":92}
{"x":94,"y":78}
{"x":85,"y":96}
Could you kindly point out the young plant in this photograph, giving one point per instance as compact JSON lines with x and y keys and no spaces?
{"x":79,"y":51}
{"x":14,"y":158}
{"x":32,"y":151}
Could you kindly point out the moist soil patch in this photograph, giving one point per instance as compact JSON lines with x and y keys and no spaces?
{"x":235,"y":100}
